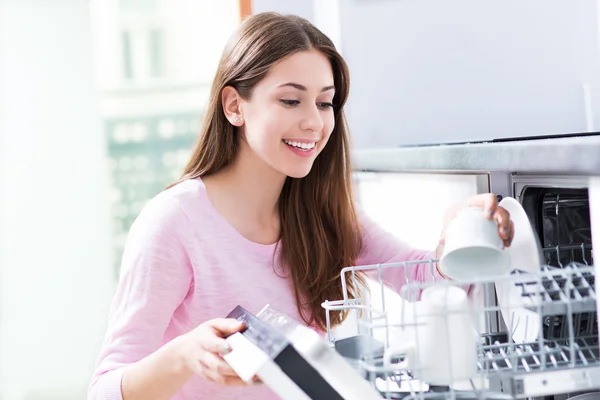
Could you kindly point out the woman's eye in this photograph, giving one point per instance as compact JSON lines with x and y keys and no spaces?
{"x":290,"y":103}
{"x":325,"y":105}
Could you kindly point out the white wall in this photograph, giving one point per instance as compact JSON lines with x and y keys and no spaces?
{"x":55,"y":269}
{"x":448,"y":71}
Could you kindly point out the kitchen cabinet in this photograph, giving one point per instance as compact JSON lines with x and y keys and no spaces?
{"x":428,"y":71}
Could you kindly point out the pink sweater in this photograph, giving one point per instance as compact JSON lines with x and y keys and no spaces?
{"x":185,"y":264}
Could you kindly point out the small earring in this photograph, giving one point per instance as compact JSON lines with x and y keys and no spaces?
{"x":237,"y":120}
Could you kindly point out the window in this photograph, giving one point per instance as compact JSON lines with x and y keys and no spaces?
{"x":156,"y":50}
{"x":126,"y":49}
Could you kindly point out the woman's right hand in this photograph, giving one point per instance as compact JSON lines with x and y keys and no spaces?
{"x":202,"y":350}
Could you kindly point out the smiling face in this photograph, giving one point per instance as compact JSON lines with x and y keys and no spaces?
{"x":289,"y":117}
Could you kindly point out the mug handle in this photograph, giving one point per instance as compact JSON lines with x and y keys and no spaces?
{"x":405,"y":348}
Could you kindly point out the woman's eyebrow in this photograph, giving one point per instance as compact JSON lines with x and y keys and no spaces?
{"x":303,"y":88}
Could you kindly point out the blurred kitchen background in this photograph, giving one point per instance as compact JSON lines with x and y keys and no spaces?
{"x":101,"y":102}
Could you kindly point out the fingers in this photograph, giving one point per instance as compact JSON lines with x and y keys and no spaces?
{"x":214,"y":332}
{"x":213,"y":368}
{"x":217,"y":370}
{"x":511,"y":234}
{"x":505,"y":225}
{"x":216,"y":345}
{"x":488,"y":201}
{"x":226,"y":326}
{"x":207,"y":345}
{"x":214,"y":376}
{"x":215,"y":363}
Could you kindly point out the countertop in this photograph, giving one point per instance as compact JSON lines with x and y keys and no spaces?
{"x":568,"y":155}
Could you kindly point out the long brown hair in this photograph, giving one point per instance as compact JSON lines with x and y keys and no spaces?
{"x":320,"y":233}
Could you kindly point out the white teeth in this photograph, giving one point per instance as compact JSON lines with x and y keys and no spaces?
{"x":303,"y":146}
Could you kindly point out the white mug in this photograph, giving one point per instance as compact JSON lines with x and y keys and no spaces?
{"x":444,"y":346}
{"x":473,"y":248}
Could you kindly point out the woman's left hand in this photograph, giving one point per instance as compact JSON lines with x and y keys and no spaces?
{"x":489,"y":203}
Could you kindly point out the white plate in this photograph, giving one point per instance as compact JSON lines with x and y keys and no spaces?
{"x":525,"y":255}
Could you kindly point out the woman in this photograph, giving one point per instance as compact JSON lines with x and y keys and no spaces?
{"x":263,"y":214}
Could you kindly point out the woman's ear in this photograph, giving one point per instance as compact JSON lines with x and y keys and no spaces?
{"x":231,"y":100}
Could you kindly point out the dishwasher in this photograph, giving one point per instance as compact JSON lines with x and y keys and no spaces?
{"x":558,"y":359}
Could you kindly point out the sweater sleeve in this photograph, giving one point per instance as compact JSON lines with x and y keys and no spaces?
{"x":156,"y":277}
{"x":382,"y":247}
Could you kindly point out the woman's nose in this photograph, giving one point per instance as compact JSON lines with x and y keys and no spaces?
{"x":312,"y":120}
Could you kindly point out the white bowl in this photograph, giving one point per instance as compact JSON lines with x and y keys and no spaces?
{"x":473,"y":248}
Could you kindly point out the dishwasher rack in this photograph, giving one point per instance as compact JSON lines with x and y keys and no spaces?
{"x":562,"y":358}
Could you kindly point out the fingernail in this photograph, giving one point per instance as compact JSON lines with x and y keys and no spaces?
{"x":256,"y":381}
{"x":225,"y":349}
{"x":491,"y":213}
{"x":505,"y":230}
